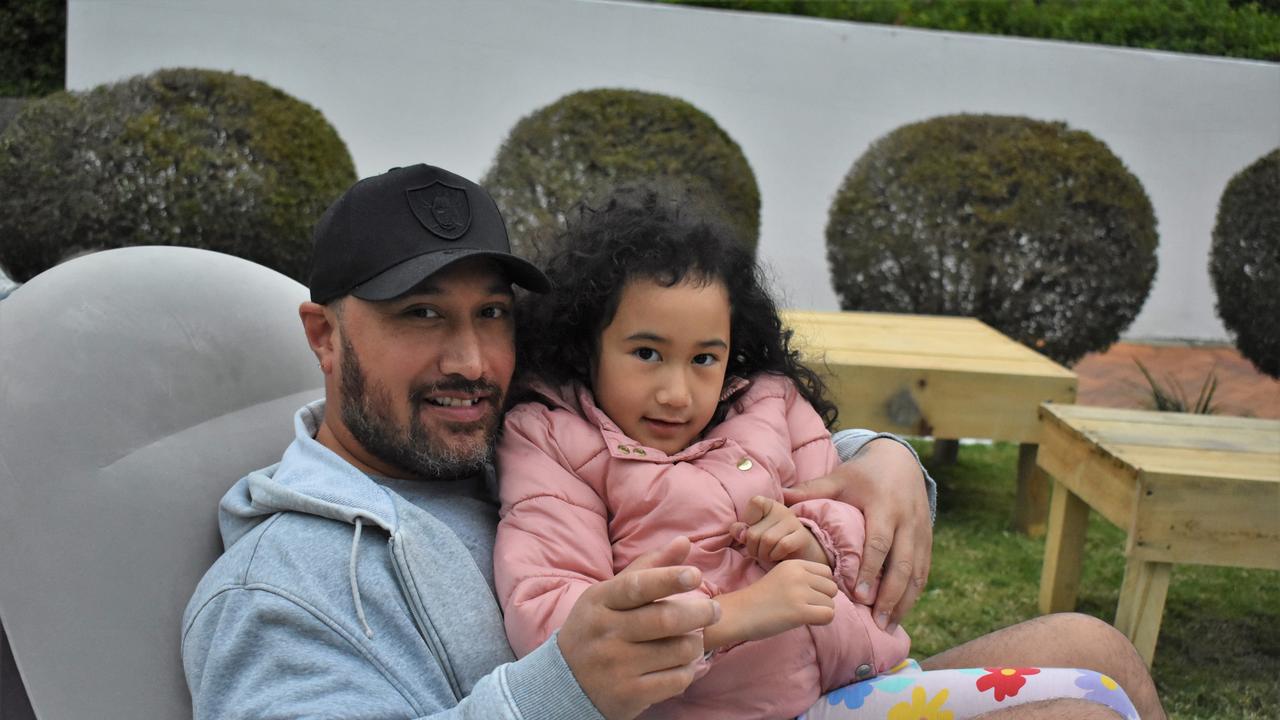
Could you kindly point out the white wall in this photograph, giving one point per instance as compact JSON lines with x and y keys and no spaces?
{"x":442,"y":81}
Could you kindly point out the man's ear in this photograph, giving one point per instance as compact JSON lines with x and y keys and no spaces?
{"x":321,"y":325}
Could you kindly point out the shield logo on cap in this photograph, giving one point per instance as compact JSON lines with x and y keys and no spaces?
{"x":442,"y":209}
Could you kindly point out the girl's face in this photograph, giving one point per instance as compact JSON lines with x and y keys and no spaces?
{"x":660,"y":364}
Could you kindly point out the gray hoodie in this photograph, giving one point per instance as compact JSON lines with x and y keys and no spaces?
{"x":338,"y":597}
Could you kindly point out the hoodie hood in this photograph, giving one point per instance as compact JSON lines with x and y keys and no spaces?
{"x":315,"y":481}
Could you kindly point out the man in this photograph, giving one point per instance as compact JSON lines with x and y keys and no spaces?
{"x":357,"y":578}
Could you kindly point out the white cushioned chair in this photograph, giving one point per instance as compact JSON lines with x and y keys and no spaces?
{"x":136,"y":385}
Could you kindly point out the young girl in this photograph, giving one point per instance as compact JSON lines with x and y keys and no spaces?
{"x":668,"y":402}
{"x":663,"y":399}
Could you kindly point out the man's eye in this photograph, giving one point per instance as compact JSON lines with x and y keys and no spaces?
{"x":422,"y":312}
{"x":705,"y":359}
{"x":647,"y":354}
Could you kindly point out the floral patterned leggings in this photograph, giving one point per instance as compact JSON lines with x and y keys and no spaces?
{"x":908,"y":693}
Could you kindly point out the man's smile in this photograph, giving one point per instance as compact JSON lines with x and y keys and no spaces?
{"x":453,"y":402}
{"x":458,"y":408}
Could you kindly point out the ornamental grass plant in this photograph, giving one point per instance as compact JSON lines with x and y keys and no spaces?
{"x":1169,"y":396}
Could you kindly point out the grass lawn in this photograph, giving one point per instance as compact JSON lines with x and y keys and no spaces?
{"x":1218,"y":655}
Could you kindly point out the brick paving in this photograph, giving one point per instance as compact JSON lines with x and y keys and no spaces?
{"x":1112,"y":378}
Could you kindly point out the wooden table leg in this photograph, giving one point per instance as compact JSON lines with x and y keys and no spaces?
{"x":945,"y":451}
{"x":1141,"y":606}
{"x":1031,"y":509}
{"x":1063,"y":551}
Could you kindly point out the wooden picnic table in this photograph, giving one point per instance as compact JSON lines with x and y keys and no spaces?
{"x":948,"y":377}
{"x":1186,"y":488}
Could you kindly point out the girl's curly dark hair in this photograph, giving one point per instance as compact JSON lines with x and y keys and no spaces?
{"x":639,"y":235}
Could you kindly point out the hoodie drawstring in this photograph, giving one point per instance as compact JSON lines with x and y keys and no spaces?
{"x":355,"y":584}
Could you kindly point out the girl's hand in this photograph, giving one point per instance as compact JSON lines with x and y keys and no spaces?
{"x":883,"y":480}
{"x":792,"y":594}
{"x":773,"y":533}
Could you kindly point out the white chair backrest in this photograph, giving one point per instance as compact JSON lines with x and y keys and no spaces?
{"x":136,"y":385}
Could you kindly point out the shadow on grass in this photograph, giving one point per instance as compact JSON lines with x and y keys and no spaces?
{"x":1218,"y":655}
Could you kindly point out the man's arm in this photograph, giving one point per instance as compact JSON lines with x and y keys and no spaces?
{"x":882,"y":476}
{"x":852,"y":441}
{"x":257,"y":652}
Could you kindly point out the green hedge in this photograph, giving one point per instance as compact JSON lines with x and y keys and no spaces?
{"x":1034,"y":228}
{"x":1245,"y":261}
{"x":1211,"y":27}
{"x":33,"y":38}
{"x":585,"y":144}
{"x":180,"y":157}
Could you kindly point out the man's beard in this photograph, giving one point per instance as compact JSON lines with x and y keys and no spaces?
{"x":366,"y":411}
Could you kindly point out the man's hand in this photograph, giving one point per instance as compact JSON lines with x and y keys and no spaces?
{"x":793,"y":593}
{"x":883,"y":481}
{"x":627,"y":646}
{"x":773,"y":533}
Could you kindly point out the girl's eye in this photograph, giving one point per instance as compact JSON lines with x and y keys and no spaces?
{"x":647,"y":354}
{"x":705,"y":359}
{"x":495,"y":312}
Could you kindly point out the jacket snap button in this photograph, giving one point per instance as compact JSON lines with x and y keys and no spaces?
{"x":624,"y":449}
{"x":744,"y":464}
{"x":863,"y":671}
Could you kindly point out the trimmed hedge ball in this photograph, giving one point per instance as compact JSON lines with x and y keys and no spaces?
{"x":1244,"y":261}
{"x":185,"y":157}
{"x":580,"y":148}
{"x":1034,"y":228}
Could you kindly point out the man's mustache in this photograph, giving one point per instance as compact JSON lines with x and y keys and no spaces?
{"x":459,"y":384}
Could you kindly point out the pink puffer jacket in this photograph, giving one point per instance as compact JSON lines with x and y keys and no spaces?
{"x":581,"y":500}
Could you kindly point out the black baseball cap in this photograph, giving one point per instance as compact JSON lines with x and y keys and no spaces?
{"x":388,"y":233}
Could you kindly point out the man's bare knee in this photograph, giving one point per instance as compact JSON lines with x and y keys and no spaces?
{"x":1063,"y":709}
{"x":1079,"y":623}
{"x":1058,"y":640}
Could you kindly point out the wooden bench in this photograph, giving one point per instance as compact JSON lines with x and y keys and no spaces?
{"x":1187,"y":488}
{"x":948,"y":377}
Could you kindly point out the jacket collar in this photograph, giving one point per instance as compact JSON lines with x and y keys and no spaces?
{"x":578,"y":398}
